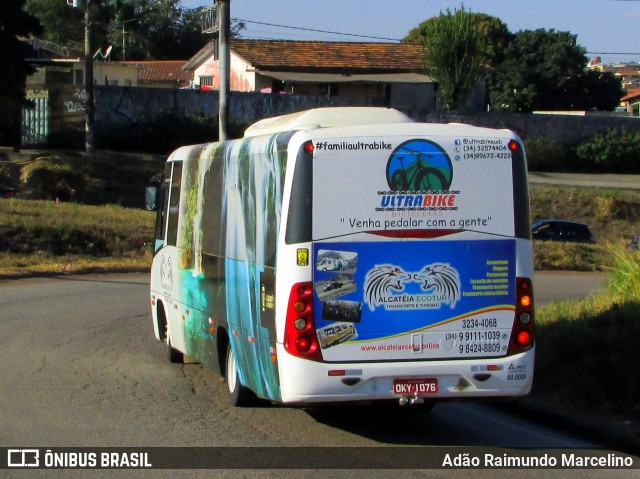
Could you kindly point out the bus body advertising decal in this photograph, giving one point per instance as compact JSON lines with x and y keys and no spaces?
{"x":426,"y":295}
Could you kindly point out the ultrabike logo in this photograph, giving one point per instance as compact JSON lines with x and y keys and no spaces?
{"x":401,"y":201}
{"x":419,"y":174}
{"x":385,"y":285}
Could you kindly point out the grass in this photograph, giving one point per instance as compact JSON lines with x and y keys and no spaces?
{"x":587,"y":351}
{"x":66,"y":264}
{"x":38,"y":236}
{"x":608,"y":212}
{"x":612,"y":215}
{"x":105,"y":178}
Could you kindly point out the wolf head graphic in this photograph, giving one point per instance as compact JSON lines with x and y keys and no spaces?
{"x":382,"y":280}
{"x":443,"y":278}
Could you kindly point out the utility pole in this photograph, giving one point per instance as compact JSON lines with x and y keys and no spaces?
{"x":88,"y":81}
{"x":89,"y":106}
{"x":124,"y":36}
{"x":124,"y":42}
{"x":224,"y":19}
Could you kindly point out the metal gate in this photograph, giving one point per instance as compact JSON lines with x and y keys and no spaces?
{"x":35,"y":120}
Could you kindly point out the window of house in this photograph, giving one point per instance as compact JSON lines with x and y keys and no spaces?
{"x":330,"y":89}
{"x":206,"y":82}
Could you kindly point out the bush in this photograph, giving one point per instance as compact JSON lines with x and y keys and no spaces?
{"x":616,"y":150}
{"x":6,"y":175}
{"x":546,"y":155}
{"x":43,"y":177}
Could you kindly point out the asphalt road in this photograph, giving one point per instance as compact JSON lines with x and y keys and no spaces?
{"x":552,"y":286}
{"x":80,"y":367}
{"x":600,"y":180}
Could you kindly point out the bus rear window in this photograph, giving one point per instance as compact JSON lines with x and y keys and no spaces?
{"x":301,"y":200}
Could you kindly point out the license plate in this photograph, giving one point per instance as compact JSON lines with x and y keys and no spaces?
{"x":410,"y":387}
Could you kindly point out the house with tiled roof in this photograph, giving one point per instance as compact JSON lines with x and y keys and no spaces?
{"x":629,"y":73}
{"x":631,"y":101}
{"x":162,"y":74}
{"x":367,"y":74}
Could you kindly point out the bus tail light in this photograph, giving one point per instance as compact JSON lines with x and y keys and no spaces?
{"x":300,"y":338}
{"x":522,"y":334}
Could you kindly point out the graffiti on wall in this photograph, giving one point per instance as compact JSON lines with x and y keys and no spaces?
{"x":132,"y":105}
{"x":126,"y":105}
{"x":77,"y":102}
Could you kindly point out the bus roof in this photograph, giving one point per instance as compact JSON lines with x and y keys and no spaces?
{"x":326,"y":117}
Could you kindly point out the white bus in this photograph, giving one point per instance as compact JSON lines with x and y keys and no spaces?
{"x":435,"y":300}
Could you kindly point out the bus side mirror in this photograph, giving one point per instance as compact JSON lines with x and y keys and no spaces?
{"x":150,"y":194}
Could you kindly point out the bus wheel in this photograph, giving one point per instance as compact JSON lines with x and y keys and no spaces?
{"x":239,"y":396}
{"x":173,"y":354}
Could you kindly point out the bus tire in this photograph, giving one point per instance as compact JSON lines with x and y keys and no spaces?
{"x":175,"y":356}
{"x":239,"y":395}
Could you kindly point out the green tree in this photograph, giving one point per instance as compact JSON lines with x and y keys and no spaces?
{"x":494,"y":35}
{"x":61,"y":23}
{"x":153,"y":29}
{"x":546,"y":70}
{"x":458,"y":48}
{"x":599,"y":90}
{"x":14,"y":23}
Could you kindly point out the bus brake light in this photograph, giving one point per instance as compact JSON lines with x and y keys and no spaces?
{"x":523,"y":338}
{"x":303,"y":344}
{"x":522,"y":334}
{"x":300,"y":338}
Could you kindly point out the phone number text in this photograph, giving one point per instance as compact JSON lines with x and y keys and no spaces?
{"x":486,"y":156}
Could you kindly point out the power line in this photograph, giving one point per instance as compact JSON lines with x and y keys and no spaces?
{"x":383,"y":38}
{"x":614,"y":53}
{"x":316,"y":31}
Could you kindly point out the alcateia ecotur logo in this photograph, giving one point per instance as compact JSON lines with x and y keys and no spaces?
{"x":386,"y":285}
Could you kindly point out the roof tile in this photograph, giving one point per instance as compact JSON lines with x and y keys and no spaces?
{"x":316,"y":55}
{"x":158,"y":71}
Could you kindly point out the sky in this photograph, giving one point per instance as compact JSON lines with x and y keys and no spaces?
{"x":606,"y":28}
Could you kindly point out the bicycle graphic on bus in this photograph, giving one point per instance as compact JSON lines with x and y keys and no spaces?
{"x":419,"y":165}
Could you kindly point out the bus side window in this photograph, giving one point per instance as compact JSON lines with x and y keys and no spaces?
{"x":162,"y":200}
{"x":174,"y":204}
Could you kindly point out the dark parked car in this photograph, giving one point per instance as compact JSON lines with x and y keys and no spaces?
{"x":560,"y":230}
{"x":6,"y":192}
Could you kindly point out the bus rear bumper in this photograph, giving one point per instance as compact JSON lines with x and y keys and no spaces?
{"x":304,"y":381}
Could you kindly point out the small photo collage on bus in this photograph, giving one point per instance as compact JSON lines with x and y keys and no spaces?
{"x":334,"y":274}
